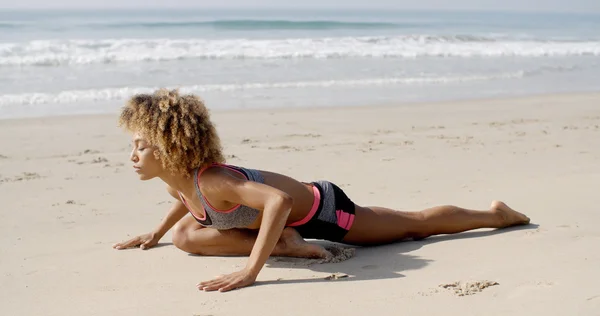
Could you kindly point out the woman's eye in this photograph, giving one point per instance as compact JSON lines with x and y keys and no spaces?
{"x":141,"y":148}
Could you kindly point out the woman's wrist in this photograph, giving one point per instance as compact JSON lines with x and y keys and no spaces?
{"x":158,"y":233}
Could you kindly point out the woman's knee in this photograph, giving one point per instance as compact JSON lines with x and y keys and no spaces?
{"x":180,"y":236}
{"x":420,"y":227}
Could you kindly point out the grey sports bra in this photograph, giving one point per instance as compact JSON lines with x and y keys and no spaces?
{"x":239,"y":216}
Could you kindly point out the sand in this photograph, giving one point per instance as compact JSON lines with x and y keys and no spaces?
{"x":69,"y":193}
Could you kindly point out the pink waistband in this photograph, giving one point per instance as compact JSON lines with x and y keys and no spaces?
{"x":313,"y":210}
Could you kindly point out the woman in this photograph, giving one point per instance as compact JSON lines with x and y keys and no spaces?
{"x":241,"y":211}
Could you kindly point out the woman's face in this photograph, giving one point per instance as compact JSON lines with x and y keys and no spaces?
{"x":144,"y":161}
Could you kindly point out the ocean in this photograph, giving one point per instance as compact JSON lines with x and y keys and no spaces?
{"x":76,"y":62}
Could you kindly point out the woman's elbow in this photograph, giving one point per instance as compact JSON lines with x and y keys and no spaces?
{"x":283,"y":202}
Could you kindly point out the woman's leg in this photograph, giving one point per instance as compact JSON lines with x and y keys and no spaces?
{"x":378,"y":225}
{"x":191,"y":237}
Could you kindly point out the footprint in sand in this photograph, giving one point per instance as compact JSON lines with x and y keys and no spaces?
{"x":119,"y":164}
{"x":525,"y":121}
{"x":567,"y":226}
{"x":368,"y":149}
{"x":72,"y":202}
{"x":460,"y":288}
{"x":339,"y":254}
{"x":285,"y":147}
{"x":444,"y":136}
{"x":93,"y":161}
{"x":529,"y":287}
{"x":428,"y":128}
{"x":304,"y":135}
{"x":597,"y":117}
{"x":593,"y":298}
{"x":534,"y":232}
{"x":25,"y":176}
{"x":336,"y":276}
{"x":99,"y":160}
{"x":382,"y":132}
{"x":89,"y":151}
{"x":513,"y":122}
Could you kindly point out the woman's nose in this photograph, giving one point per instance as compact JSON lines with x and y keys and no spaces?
{"x":133,"y":157}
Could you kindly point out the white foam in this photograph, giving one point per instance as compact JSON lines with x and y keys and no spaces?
{"x":76,"y":52}
{"x":108,"y":94}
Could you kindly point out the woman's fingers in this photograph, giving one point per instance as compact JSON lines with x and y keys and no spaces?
{"x":213,"y":284}
{"x":228,"y":282}
{"x":147,"y":244}
{"x":127,"y":244}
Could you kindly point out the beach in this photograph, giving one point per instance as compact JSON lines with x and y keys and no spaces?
{"x":69,"y":193}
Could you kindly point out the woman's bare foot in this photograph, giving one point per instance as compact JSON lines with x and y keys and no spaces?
{"x":293,"y":245}
{"x":508,"y":216}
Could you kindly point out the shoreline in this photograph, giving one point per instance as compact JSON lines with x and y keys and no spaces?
{"x":363,"y":107}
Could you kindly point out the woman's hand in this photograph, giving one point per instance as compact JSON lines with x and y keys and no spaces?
{"x":228,"y":282}
{"x":145,"y":241}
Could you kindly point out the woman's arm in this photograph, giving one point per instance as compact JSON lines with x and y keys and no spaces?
{"x":275,"y":205}
{"x":177,"y":212}
{"x":275,"y":215}
{"x":149,"y":240}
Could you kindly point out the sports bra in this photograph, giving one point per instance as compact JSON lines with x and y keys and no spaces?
{"x":239,"y":216}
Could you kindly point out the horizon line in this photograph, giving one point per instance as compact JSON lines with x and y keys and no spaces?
{"x":280,"y":8}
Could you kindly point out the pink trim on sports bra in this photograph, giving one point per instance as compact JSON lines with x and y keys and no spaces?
{"x":313,"y":210}
{"x":206,"y":200}
{"x":190,"y":209}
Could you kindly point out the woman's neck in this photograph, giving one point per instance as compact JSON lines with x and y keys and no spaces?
{"x":181,"y":183}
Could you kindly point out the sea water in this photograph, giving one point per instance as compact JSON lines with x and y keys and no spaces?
{"x":71,"y":62}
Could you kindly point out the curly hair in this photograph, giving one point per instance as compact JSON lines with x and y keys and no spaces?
{"x":179,"y":126}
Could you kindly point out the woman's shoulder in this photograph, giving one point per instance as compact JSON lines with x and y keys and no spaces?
{"x":216,"y":176}
{"x":224,"y":169}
